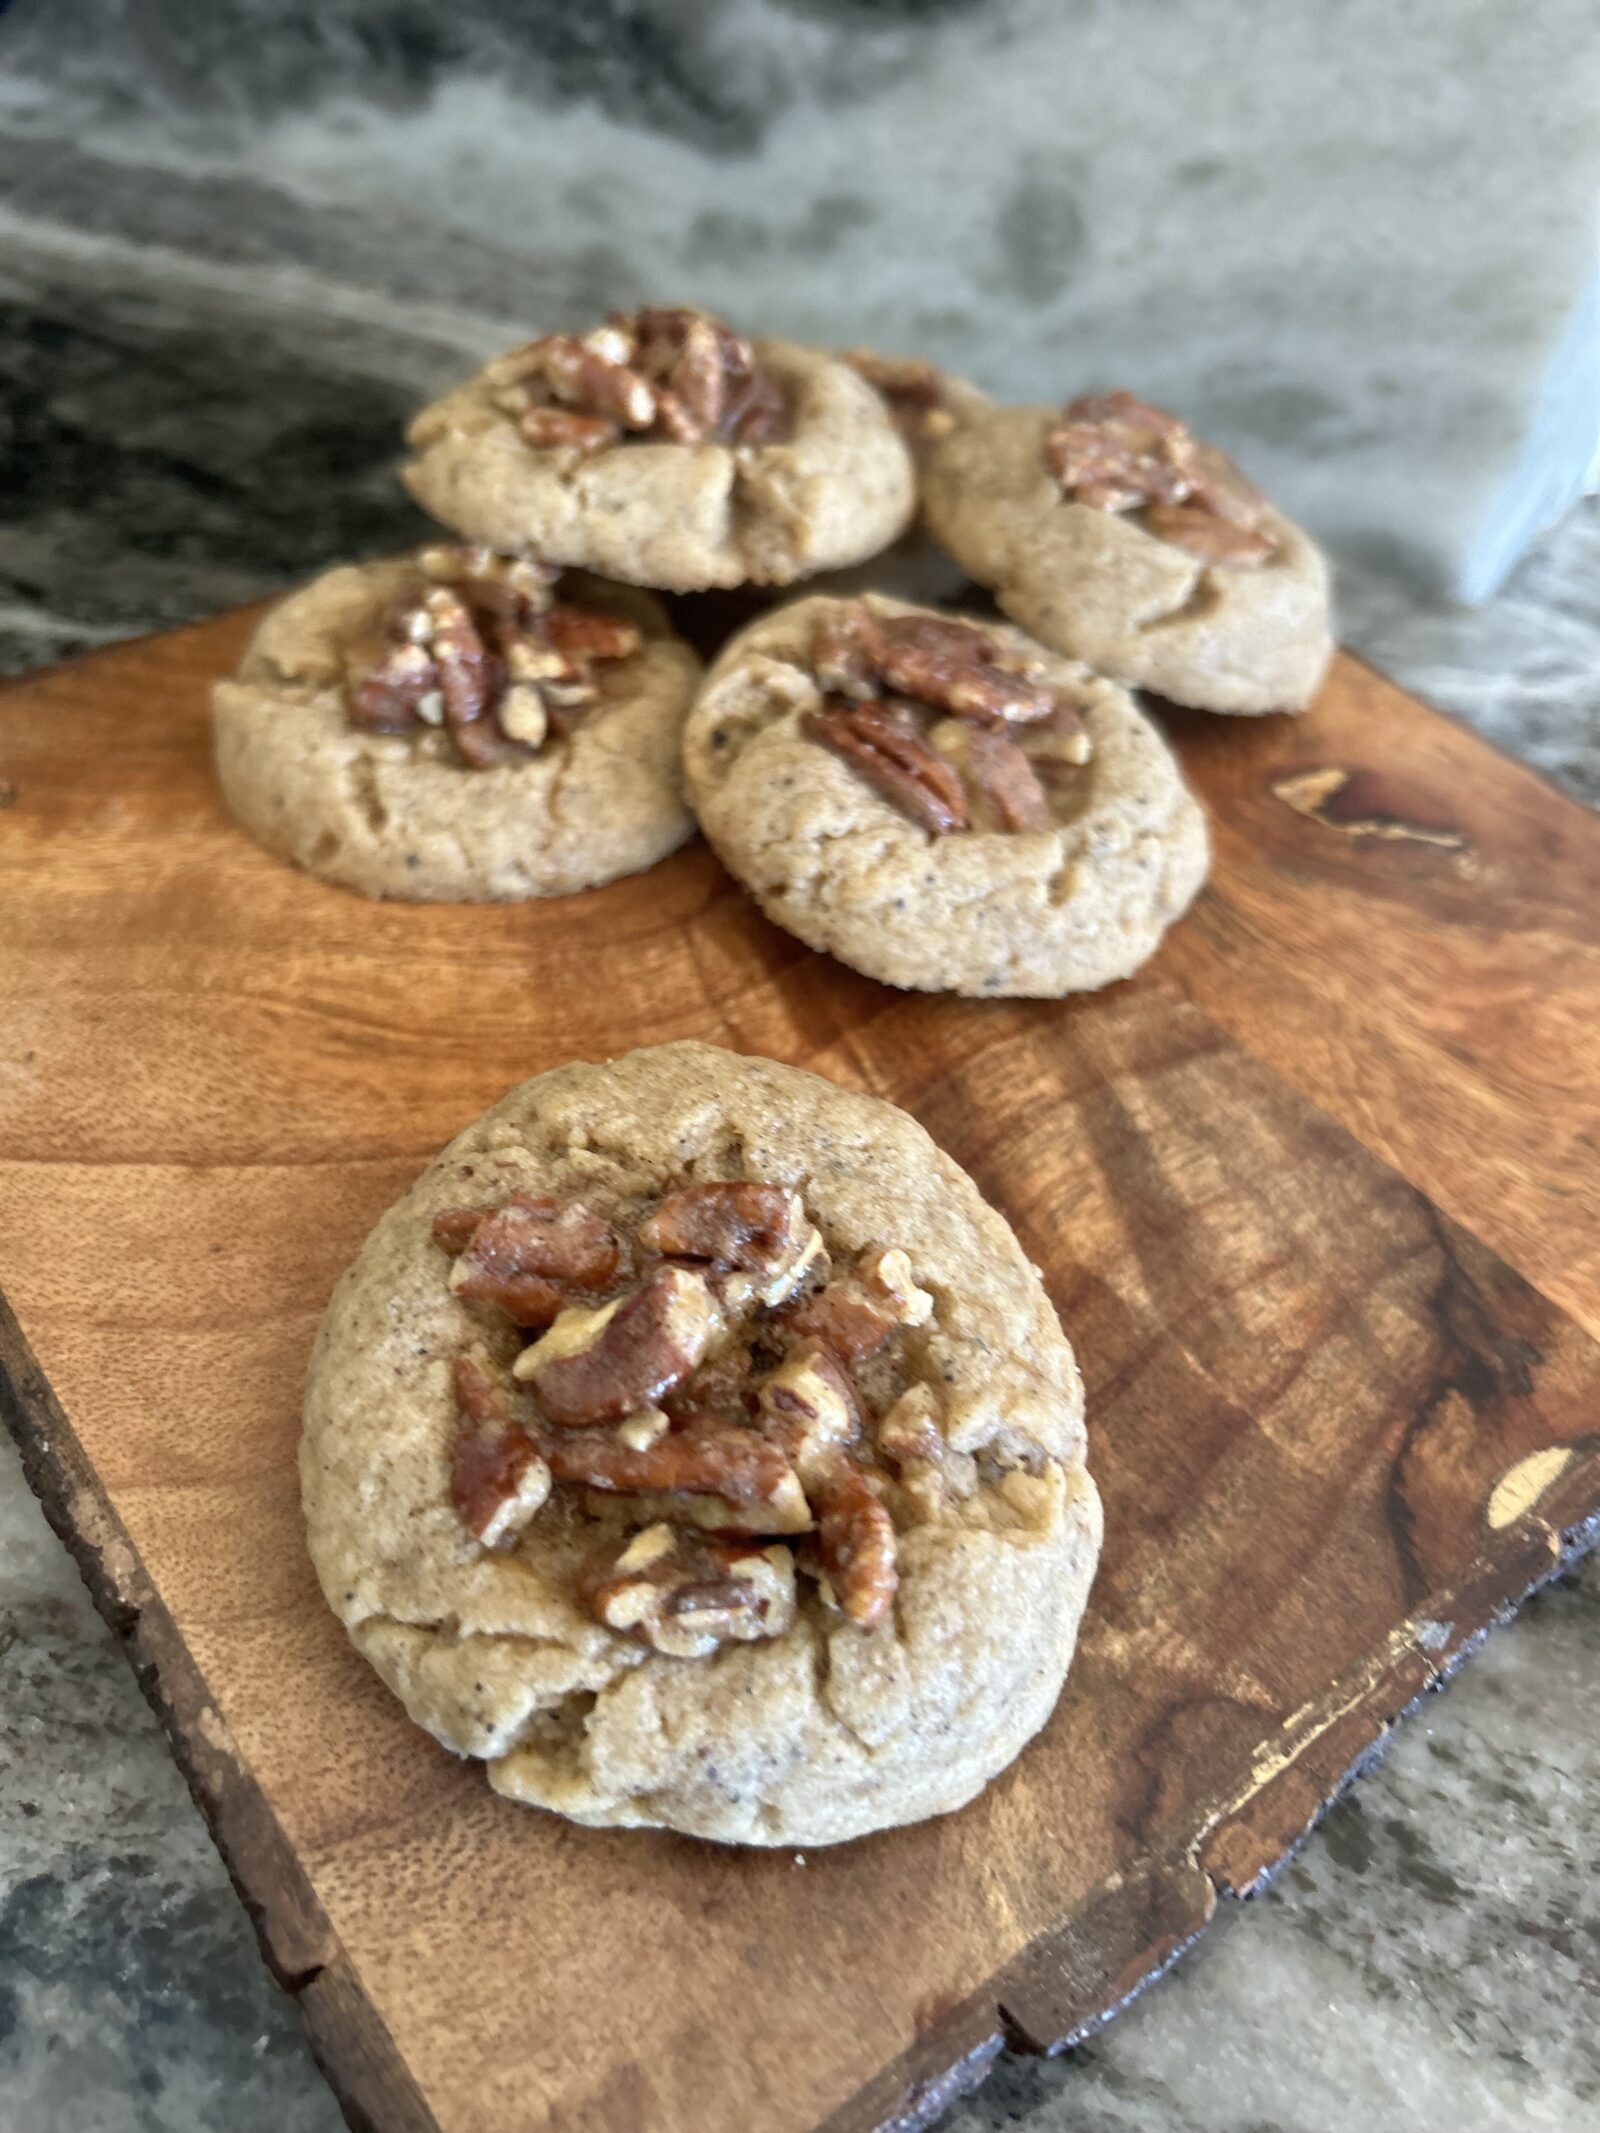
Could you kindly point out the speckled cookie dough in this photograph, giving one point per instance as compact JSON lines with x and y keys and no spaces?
{"x":1038,"y":912}
{"x":807,"y":1728}
{"x":398,"y":814}
{"x":833,"y":487}
{"x":1096,"y":584}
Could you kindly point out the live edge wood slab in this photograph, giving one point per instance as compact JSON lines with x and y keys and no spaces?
{"x":1316,"y":1196}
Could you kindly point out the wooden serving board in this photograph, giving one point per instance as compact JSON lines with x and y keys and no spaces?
{"x":1316,"y":1196}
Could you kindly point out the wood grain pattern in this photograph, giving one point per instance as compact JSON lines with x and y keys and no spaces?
{"x":1415,"y":949}
{"x":1315,"y":1195}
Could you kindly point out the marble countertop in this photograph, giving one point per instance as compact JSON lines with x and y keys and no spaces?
{"x":206,"y":362}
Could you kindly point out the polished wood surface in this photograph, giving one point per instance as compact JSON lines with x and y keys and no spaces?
{"x":1316,"y":1196}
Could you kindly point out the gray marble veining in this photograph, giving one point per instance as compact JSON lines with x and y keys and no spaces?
{"x":227,"y":271}
{"x":132,"y":1995}
{"x":1358,"y":243}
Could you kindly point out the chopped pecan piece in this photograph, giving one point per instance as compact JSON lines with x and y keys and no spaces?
{"x":672,"y":1407}
{"x":1200,"y":532}
{"x":594,"y":1367}
{"x":1115,"y":452}
{"x":757,"y":411}
{"x":661,"y":372}
{"x":709,"y":1458}
{"x":497,"y":1478}
{"x":585,"y":633}
{"x":948,"y":665}
{"x":839,"y":656}
{"x":909,"y":1434}
{"x":709,"y":377}
{"x":470,"y":679}
{"x":842,"y":1319}
{"x":855,"y":1540}
{"x":530,"y":1258}
{"x":674,"y":420}
{"x":885,"y":1273}
{"x":390,"y":698}
{"x":721,"y":1386}
{"x":481,"y":1393}
{"x":939,"y":660}
{"x":586,"y":377}
{"x":684,"y":1595}
{"x":563,"y":429}
{"x":894,"y":759}
{"x":853,"y":1317}
{"x":954,"y":667}
{"x":642,"y":1430}
{"x":787,"y":1515}
{"x":1007,"y":780}
{"x":523,"y":716}
{"x":998,"y":696}
{"x":700,"y":376}
{"x":513,"y":589}
{"x":733,"y":1224}
{"x":486,"y":652}
{"x":452,"y":1230}
{"x":808,"y":1408}
{"x":947,"y":637}
{"x":756,"y":1230}
{"x":1061,"y":738}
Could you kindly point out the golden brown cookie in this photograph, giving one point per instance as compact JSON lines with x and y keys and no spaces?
{"x":459,"y":727}
{"x":1111,"y":534}
{"x":693,"y":1445}
{"x":1038,"y":841}
{"x":613,"y":452}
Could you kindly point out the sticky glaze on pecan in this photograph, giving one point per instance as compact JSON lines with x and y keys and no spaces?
{"x":600,"y":1366}
{"x":734,"y":1225}
{"x":530,"y":1258}
{"x":689,"y":1407}
{"x":952,"y":666}
{"x":855,"y":1540}
{"x":684,"y":1594}
{"x":756,"y":1234}
{"x":483,"y":651}
{"x":714,"y":1459}
{"x":1200,"y":531}
{"x":497,"y":1478}
{"x":886,"y":677}
{"x":809,"y":1407}
{"x":1116,"y":453}
{"x":664,"y":374}
{"x":1007,"y":781}
{"x":882,"y":742}
{"x":853,"y":1317}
